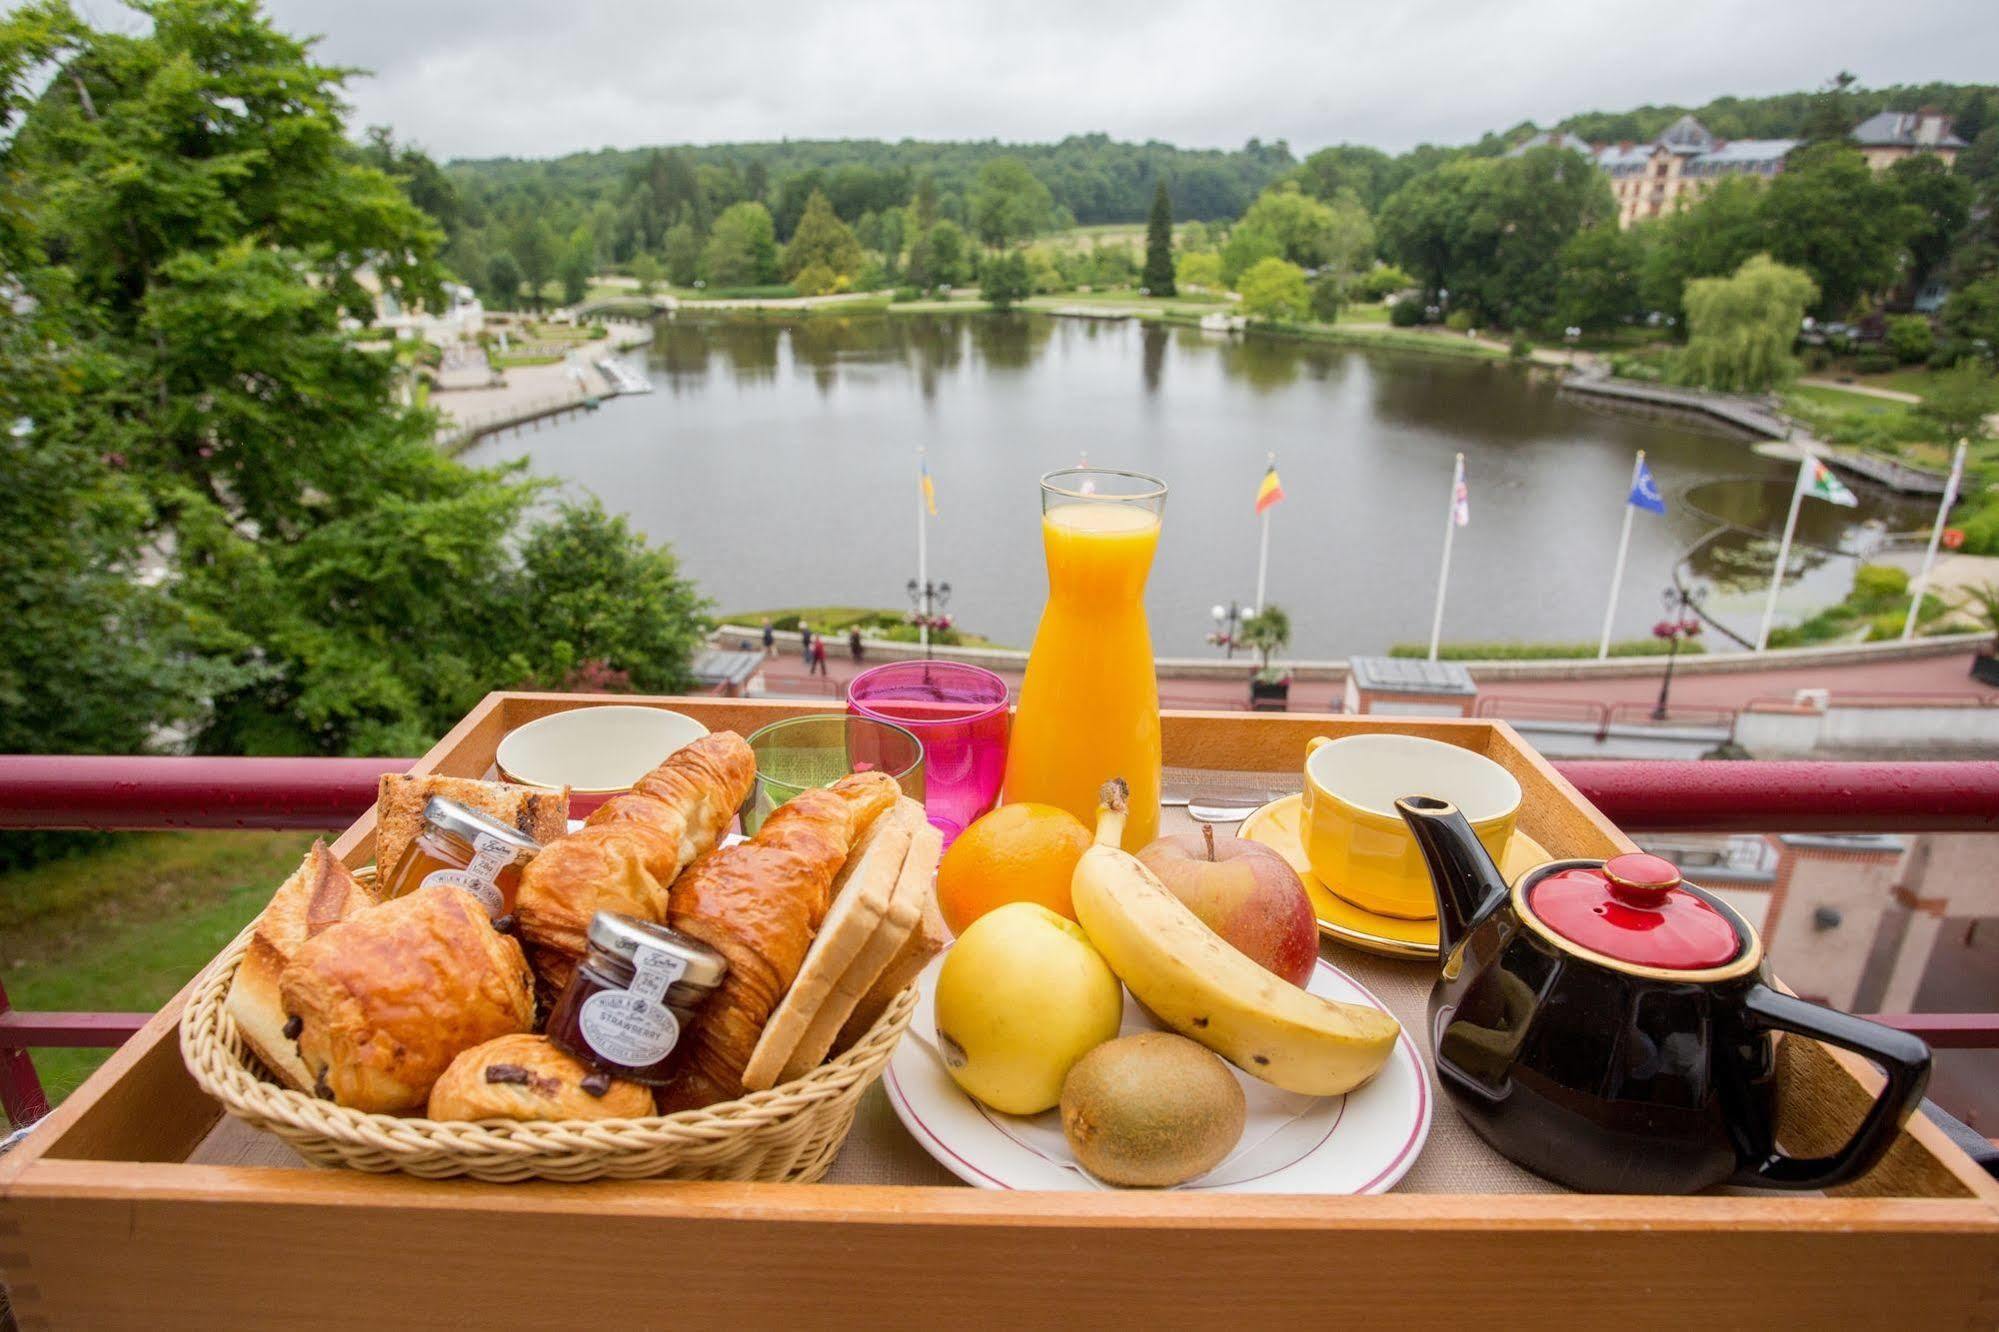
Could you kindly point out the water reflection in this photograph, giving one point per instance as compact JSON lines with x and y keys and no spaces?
{"x":816,"y":439}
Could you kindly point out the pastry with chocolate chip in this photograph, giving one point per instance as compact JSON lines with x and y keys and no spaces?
{"x":524,"y":1077}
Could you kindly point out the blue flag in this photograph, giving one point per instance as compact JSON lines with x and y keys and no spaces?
{"x":1645,"y":491}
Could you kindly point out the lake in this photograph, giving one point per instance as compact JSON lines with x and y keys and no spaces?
{"x":778,"y":456}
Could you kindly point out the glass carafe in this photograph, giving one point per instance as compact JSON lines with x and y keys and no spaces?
{"x":1089,"y":705}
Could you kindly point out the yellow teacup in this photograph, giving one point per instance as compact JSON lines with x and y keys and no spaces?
{"x":1358,"y":845}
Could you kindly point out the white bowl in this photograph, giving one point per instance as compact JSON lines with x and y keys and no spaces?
{"x":594,"y":750}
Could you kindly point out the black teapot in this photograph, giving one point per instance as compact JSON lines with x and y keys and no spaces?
{"x":1613,"y":1029}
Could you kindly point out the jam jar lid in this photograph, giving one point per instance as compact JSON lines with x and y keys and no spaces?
{"x":468,"y":825}
{"x":1634,"y":910}
{"x":622,"y":936}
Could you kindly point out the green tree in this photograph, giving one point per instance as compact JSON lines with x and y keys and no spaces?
{"x":1009,"y":203}
{"x":1266,"y":632}
{"x":1959,"y":401}
{"x":577,"y":267}
{"x":503,"y":280}
{"x":1490,"y":231}
{"x":1713,"y":238}
{"x":1971,"y":317}
{"x":537,"y":248}
{"x":1329,"y":296}
{"x":1367,"y":174}
{"x":1832,"y":110}
{"x":948,"y":251}
{"x":1202,"y":270}
{"x":742,"y":248}
{"x":1941,"y":204}
{"x":1275,"y":289}
{"x":1829,"y":215}
{"x":1158,"y":277}
{"x":1286,"y":223}
{"x":1005,"y":280}
{"x":646,"y":271}
{"x":1601,"y":271}
{"x":589,"y":589}
{"x":1740,"y":328}
{"x":682,"y":250}
{"x":190,"y":222}
{"x":822,"y":239}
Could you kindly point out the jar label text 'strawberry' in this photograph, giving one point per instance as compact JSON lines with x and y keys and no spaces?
{"x":634,"y":1027}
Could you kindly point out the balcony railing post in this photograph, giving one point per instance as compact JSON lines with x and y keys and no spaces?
{"x":21,"y":1094}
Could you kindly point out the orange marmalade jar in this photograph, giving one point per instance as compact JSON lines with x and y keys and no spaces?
{"x":465,"y":849}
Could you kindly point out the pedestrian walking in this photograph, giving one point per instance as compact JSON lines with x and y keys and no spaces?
{"x":854,"y":643}
{"x":818,"y":655}
{"x":805,"y":641}
{"x":770,"y":639}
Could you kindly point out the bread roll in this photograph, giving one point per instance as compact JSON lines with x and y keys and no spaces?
{"x":524,"y":1077}
{"x":320,"y":893}
{"x":385,"y":1001}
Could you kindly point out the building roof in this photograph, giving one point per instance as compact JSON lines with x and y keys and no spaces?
{"x":1744,"y":151}
{"x":1613,"y":156}
{"x":1547,"y":138}
{"x":1687,"y":135}
{"x":1906,"y":129}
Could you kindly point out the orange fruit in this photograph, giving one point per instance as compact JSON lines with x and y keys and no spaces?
{"x":1017,"y":853}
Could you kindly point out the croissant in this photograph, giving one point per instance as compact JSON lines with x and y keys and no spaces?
{"x":758,"y":904}
{"x":630,"y":851}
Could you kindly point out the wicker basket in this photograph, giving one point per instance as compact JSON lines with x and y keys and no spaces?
{"x":789,"y":1133}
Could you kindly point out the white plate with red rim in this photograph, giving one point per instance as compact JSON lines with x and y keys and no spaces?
{"x":1362,"y":1142}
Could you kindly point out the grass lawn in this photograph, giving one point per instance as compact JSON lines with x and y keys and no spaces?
{"x":1848,"y":402}
{"x":1129,"y":298}
{"x":1915,"y":379}
{"x":124,"y":927}
{"x":1376,"y":313}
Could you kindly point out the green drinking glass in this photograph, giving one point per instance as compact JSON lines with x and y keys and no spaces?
{"x":800,"y":753}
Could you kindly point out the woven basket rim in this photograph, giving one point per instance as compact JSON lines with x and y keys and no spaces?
{"x":226,"y":1070}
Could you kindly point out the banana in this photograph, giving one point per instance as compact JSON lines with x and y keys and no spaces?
{"x":1205,"y":989}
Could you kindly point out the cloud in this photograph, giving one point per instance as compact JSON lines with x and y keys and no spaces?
{"x":474,"y":78}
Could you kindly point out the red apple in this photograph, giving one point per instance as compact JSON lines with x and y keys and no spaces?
{"x":1245,"y":892}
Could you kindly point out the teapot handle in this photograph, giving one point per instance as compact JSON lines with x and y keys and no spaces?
{"x":1904,"y":1058}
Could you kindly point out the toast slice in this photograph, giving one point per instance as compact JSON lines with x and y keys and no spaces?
{"x":542,"y":815}
{"x":927,"y":940}
{"x":861,"y":900}
{"x":905,"y":912}
{"x":320,"y":893}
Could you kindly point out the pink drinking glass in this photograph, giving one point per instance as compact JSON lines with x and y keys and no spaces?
{"x":960,"y":714}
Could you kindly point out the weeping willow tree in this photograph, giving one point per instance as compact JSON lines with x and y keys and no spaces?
{"x":1740,"y":328}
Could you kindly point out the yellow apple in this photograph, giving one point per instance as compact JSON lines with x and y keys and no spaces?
{"x":1021,"y":997}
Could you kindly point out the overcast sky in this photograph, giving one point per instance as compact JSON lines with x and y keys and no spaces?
{"x":541,"y":77}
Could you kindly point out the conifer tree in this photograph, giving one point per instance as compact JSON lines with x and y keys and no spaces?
{"x":1159,"y":245}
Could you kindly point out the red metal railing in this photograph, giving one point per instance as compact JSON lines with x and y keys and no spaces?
{"x":149,"y":793}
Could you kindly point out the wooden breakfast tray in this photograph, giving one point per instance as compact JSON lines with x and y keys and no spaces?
{"x":138,"y":1202}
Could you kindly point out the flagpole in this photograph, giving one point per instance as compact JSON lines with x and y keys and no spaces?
{"x":1921,"y":586}
{"x":1444,"y":572}
{"x":922,"y":560}
{"x":1263,"y":548}
{"x":1783,"y":553}
{"x":1617,"y":572}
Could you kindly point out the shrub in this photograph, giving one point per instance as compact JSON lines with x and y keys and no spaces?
{"x":1817,"y":358}
{"x":1407,"y":312}
{"x":1873,"y":363}
{"x":1201,"y":268}
{"x":1460,"y":321}
{"x":1909,"y":338}
{"x":1946,"y":357}
{"x":1380,"y":282}
{"x":1876,"y":585}
{"x":1274,"y":289}
{"x":1635,"y":647}
{"x":816,"y":280}
{"x":1520,"y":349}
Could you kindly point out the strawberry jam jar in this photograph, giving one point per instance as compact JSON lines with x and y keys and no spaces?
{"x":632,"y":998}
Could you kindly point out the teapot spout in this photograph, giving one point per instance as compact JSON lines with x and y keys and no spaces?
{"x":1468,"y":885}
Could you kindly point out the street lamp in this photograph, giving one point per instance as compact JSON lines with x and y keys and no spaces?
{"x":1682,"y":621}
{"x":1227,"y":619}
{"x":926,"y":605}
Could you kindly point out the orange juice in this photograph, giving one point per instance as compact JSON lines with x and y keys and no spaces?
{"x":1089,"y":705}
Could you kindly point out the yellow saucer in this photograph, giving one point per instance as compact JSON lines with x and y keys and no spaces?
{"x":1276,"y":826}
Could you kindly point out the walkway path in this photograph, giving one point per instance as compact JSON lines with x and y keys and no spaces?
{"x":786,"y":675}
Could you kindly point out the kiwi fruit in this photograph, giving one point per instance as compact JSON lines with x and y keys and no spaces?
{"x":1151,"y":1110}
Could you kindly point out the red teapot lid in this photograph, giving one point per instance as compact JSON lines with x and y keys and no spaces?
{"x":1633,"y":910}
